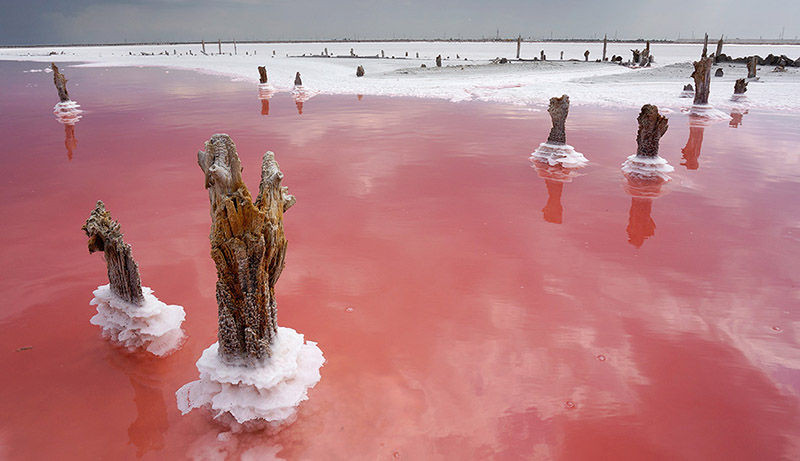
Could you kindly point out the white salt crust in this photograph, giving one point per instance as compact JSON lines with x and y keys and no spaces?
{"x":646,"y":167}
{"x":67,"y":112}
{"x":559,"y":154}
{"x":255,"y":397}
{"x":153,"y":326}
{"x":265,"y":91}
{"x":302,"y":94}
{"x":707,"y":112}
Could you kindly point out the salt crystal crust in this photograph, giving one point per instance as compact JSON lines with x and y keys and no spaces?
{"x":152,"y":326}
{"x":68,"y":112}
{"x":559,"y":154}
{"x":642,"y":166}
{"x":251,"y":397}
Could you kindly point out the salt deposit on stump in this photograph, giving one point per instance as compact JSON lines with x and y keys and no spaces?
{"x":257,"y":373}
{"x":646,"y":163}
{"x":66,"y":110}
{"x":129,"y":314}
{"x":556,"y":151}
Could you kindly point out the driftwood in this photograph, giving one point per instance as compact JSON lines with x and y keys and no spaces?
{"x":751,"y":67}
{"x":297,"y":80}
{"x":652,"y":127}
{"x":360,"y":71}
{"x":123,"y":272}
{"x":558,"y":110}
{"x":61,"y":83}
{"x":248,"y":247}
{"x":439,"y":61}
{"x":740,"y":87}
{"x":702,"y":80}
{"x":262,"y":74}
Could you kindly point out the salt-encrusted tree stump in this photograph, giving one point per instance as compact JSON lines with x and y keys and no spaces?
{"x":751,"y":67}
{"x":702,"y":80}
{"x":360,"y":71}
{"x":123,"y":272}
{"x":129,"y":314}
{"x":740,"y":87}
{"x":297,"y":80}
{"x":646,"y":163}
{"x":556,"y":151}
{"x":248,"y":247}
{"x":262,"y":75}
{"x":257,"y":373}
{"x":61,"y":83}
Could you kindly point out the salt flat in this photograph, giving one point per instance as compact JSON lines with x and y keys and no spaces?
{"x":467,"y":72}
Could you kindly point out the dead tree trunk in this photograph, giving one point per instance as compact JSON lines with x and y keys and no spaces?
{"x":297,"y":80}
{"x":519,"y":45}
{"x":219,"y":45}
{"x":702,"y":80}
{"x":61,"y":83}
{"x":751,"y":67}
{"x":360,"y":71}
{"x":248,"y":247}
{"x":718,"y":53}
{"x":262,"y":74}
{"x":439,"y":61}
{"x":558,"y":110}
{"x":644,"y":58}
{"x":705,"y":47}
{"x":123,"y":273}
{"x":586,"y":55}
{"x":740,"y":87}
{"x":235,"y":50}
{"x":652,"y":127}
{"x":605,"y":46}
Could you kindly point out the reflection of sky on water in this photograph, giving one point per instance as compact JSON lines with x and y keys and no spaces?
{"x":474,"y":324}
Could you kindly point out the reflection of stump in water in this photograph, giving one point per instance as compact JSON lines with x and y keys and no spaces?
{"x":265,"y":107}
{"x":147,"y":431}
{"x":691,"y":151}
{"x":70,"y":142}
{"x":736,"y":117}
{"x":640,"y":225}
{"x":299,"y":104}
{"x":553,"y":211}
{"x":265,"y":92}
{"x":643,"y":191}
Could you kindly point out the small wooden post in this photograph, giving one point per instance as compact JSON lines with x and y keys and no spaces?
{"x":297,"y":80}
{"x":605,"y":46}
{"x":235,"y":51}
{"x":262,"y":74}
{"x":219,"y":44}
{"x":439,"y":61}
{"x":519,"y":45}
{"x":586,"y":55}
{"x":203,"y":42}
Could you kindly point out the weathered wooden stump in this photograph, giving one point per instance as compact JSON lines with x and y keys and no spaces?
{"x":123,"y":272}
{"x":652,"y":127}
{"x":702,"y":80}
{"x":719,"y":72}
{"x":605,"y":46}
{"x":61,"y":83}
{"x":740,"y":87}
{"x":297,"y":80}
{"x":586,"y":55}
{"x":262,"y":74}
{"x":439,"y":61}
{"x":562,"y":56}
{"x":751,"y":67}
{"x":248,"y":247}
{"x":203,"y":43}
{"x":718,"y":53}
{"x":542,"y":56}
{"x":519,"y":45}
{"x":360,"y":71}
{"x":558,"y":110}
{"x":705,"y":47}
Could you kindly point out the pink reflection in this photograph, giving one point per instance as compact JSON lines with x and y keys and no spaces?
{"x":691,"y":151}
{"x":643,"y":191}
{"x":554,"y":178}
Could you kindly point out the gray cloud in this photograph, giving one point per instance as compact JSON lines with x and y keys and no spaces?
{"x":93,"y":21}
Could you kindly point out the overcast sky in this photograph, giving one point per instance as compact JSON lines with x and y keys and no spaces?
{"x":116,"y":21}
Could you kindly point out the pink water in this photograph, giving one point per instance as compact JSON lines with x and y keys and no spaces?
{"x":469,"y":306}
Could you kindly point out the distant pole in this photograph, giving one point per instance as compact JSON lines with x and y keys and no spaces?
{"x":204,"y":46}
{"x":235,"y":51}
{"x":219,"y":44}
{"x":705,"y":47}
{"x":605,"y":45}
{"x":519,"y":45}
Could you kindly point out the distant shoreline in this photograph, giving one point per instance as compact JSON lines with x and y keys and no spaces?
{"x":773,"y":42}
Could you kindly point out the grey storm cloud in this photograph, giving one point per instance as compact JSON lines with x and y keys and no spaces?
{"x":92,"y":21}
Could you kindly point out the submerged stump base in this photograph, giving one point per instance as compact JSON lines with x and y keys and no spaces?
{"x":152,"y":326}
{"x":255,"y":396}
{"x":68,"y":112}
{"x":559,"y":154}
{"x":638,"y":167}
